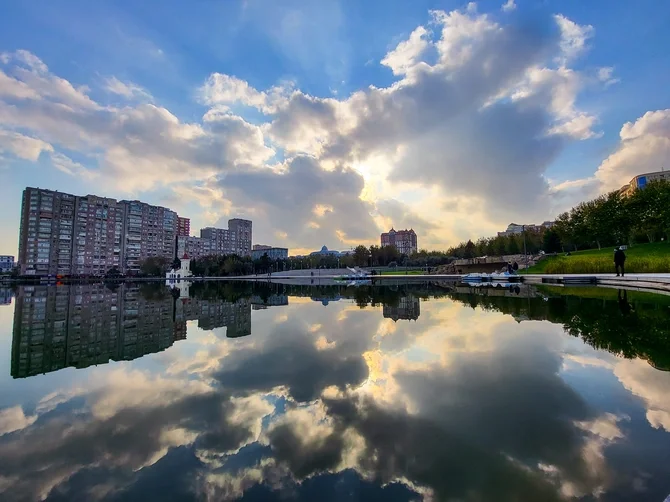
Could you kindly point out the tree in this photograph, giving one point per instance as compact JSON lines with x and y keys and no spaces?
{"x":512,"y":245}
{"x":469,"y":250}
{"x":361,"y":256}
{"x":551,"y":241}
{"x":113,"y":273}
{"x":264,"y":263}
{"x":154,"y":266}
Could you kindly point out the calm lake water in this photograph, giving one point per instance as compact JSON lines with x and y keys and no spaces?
{"x":272,"y":392}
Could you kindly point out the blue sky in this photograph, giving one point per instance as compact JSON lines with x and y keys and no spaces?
{"x":364,"y":156}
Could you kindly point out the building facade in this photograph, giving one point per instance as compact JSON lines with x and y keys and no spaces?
{"x":6,"y":263}
{"x":405,"y":241}
{"x":64,"y":234}
{"x":516,"y":229}
{"x":273,"y":253}
{"x":89,"y":324}
{"x":236,"y":239}
{"x":151,"y":231}
{"x":195,"y":247}
{"x":640,"y":181}
{"x":408,"y":309}
{"x":183,"y":226}
{"x":98,"y":240}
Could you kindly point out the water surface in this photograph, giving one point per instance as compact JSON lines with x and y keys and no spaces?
{"x":269,"y":392}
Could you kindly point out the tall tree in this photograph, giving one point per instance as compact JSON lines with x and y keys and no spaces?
{"x":361,"y":256}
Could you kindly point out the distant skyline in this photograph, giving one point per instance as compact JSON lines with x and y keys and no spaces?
{"x":327,"y":122}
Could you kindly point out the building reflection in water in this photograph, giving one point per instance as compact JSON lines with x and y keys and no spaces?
{"x":5,"y":296}
{"x":408,"y":308}
{"x":83,"y":325}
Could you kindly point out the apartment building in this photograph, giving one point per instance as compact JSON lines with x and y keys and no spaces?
{"x":150,"y":231}
{"x":98,"y":238}
{"x":183,"y":226}
{"x":64,"y":234}
{"x":194,"y":247}
{"x":236,"y":239}
{"x":405,"y":241}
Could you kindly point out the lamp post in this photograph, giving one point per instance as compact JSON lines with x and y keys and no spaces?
{"x":525,"y":257}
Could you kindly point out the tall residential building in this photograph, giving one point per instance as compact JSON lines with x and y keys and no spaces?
{"x":236,"y":239}
{"x":404,"y":240}
{"x":98,"y":239}
{"x":64,"y":234}
{"x":46,"y":232}
{"x":183,"y":226}
{"x":194,"y":247}
{"x":150,"y":231}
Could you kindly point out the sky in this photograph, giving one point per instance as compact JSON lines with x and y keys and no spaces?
{"x":327,"y":122}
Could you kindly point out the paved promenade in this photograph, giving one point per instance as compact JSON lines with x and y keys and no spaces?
{"x":646,"y":282}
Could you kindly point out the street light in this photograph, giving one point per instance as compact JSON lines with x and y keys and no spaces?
{"x":525,"y":257}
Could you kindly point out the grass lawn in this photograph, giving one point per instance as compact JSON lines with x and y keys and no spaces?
{"x":402,"y":272}
{"x":641,"y":258}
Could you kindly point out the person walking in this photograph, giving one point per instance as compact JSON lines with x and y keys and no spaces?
{"x":619,"y":260}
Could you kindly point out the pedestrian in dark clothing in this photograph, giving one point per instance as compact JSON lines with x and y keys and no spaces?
{"x":619,"y":260}
{"x":515,"y":266}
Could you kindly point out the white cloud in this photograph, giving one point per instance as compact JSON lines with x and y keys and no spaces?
{"x":407,"y":53}
{"x":22,"y":146}
{"x":14,"y":419}
{"x":220,"y":89}
{"x":508,"y":6}
{"x":605,"y":76}
{"x":65,"y":164}
{"x":651,"y":385}
{"x":478,"y":112}
{"x":128,"y":90}
{"x":573,"y":37}
{"x":644,"y":147}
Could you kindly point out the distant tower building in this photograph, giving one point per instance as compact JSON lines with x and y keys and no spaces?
{"x":405,"y":241}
